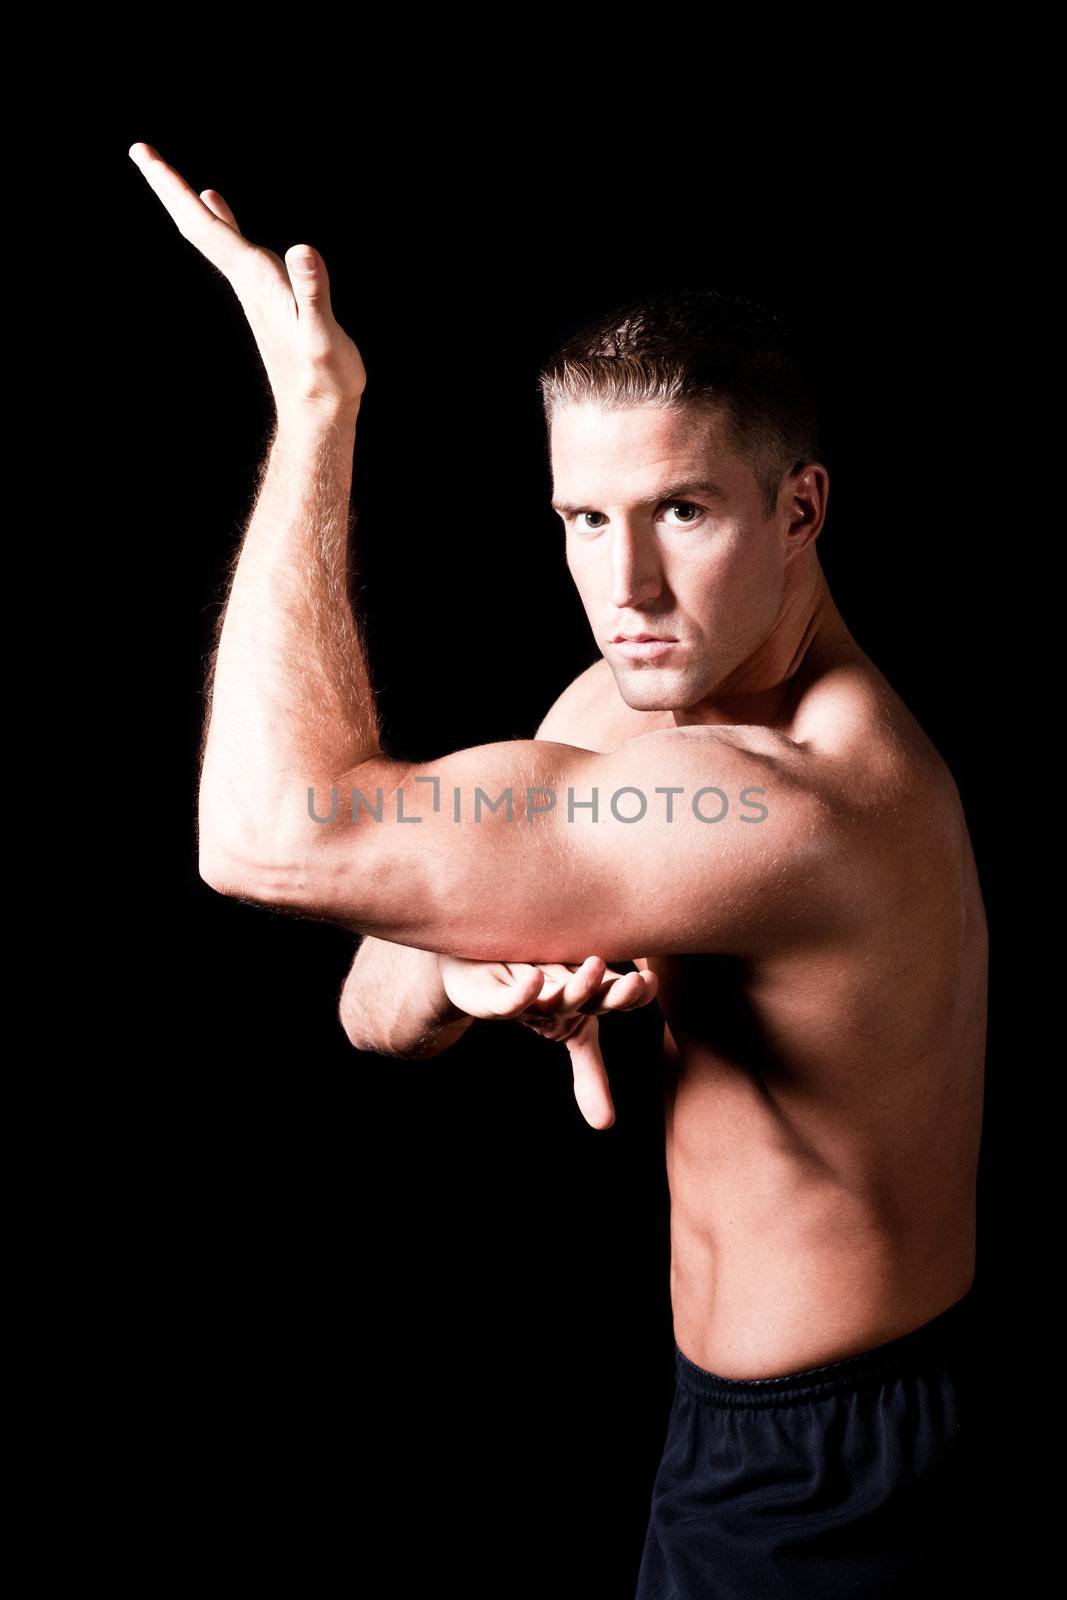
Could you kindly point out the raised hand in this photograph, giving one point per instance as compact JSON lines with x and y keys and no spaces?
{"x":312,"y":365}
{"x":559,"y":1002}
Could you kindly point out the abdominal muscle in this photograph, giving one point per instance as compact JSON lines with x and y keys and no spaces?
{"x":815,"y":1214}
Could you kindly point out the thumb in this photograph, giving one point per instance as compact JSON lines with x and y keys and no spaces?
{"x":308,"y":276}
{"x":591,"y":1088}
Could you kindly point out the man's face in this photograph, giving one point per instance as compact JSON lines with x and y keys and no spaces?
{"x":651,"y":552}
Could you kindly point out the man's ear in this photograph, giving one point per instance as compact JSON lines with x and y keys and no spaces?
{"x":808,"y":492}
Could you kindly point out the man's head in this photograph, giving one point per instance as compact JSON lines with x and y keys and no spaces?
{"x":684,"y":451}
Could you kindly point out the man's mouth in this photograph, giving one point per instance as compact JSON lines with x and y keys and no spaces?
{"x":642,"y":646}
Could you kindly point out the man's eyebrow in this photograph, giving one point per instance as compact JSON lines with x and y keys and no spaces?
{"x":673,"y":491}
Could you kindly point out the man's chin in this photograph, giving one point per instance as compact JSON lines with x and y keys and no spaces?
{"x":648,"y":688}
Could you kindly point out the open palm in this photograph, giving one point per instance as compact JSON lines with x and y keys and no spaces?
{"x":310,"y":361}
{"x":559,"y":1002}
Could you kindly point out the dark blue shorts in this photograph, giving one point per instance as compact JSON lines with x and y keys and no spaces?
{"x":857,"y":1480}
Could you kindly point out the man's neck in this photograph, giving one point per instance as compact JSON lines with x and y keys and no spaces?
{"x":808,"y":639}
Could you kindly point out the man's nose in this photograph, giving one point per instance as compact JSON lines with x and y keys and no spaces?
{"x":635,"y":568}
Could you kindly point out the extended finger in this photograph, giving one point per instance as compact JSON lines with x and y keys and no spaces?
{"x":212,"y":198}
{"x":224,"y":247}
{"x":592,"y":1090}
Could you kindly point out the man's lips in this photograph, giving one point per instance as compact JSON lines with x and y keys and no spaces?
{"x":644,"y":646}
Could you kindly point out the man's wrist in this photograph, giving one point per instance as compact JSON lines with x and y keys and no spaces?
{"x":309,"y":418}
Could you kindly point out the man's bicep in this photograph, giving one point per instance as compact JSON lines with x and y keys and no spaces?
{"x":677,"y":842}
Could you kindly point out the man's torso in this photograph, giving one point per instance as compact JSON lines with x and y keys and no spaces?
{"x":823,"y":1106}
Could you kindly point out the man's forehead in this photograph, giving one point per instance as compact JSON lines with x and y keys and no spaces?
{"x":638,"y":453}
{"x":591,"y":418}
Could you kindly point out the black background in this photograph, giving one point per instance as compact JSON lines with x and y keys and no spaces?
{"x":421,"y":1310}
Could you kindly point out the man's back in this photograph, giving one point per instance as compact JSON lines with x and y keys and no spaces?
{"x":823,"y":1105}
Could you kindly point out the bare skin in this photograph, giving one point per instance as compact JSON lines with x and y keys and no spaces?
{"x":822,"y":974}
{"x":398,"y":1000}
{"x":823,"y":1107}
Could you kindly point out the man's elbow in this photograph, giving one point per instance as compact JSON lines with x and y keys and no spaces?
{"x":224,"y":860}
{"x":279,"y":883}
{"x":240,"y":874}
{"x":221,"y":873}
{"x":361,"y":1034}
{"x":350,"y":1024}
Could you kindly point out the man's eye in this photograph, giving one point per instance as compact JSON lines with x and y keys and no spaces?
{"x":671,"y":505}
{"x":687,"y":505}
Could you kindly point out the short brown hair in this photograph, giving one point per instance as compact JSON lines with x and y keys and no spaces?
{"x":698,"y":347}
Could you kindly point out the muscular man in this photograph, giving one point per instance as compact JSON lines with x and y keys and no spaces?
{"x":742,"y":798}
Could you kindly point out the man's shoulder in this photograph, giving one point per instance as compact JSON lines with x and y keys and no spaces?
{"x":863,"y":744}
{"x":854,"y":746}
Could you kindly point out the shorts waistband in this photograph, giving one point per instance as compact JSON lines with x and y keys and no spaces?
{"x":941,"y":1333}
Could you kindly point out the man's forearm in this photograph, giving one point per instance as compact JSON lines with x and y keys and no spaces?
{"x":394,"y":1003}
{"x":290,"y":702}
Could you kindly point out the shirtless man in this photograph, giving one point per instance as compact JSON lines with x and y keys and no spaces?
{"x":750,"y":804}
